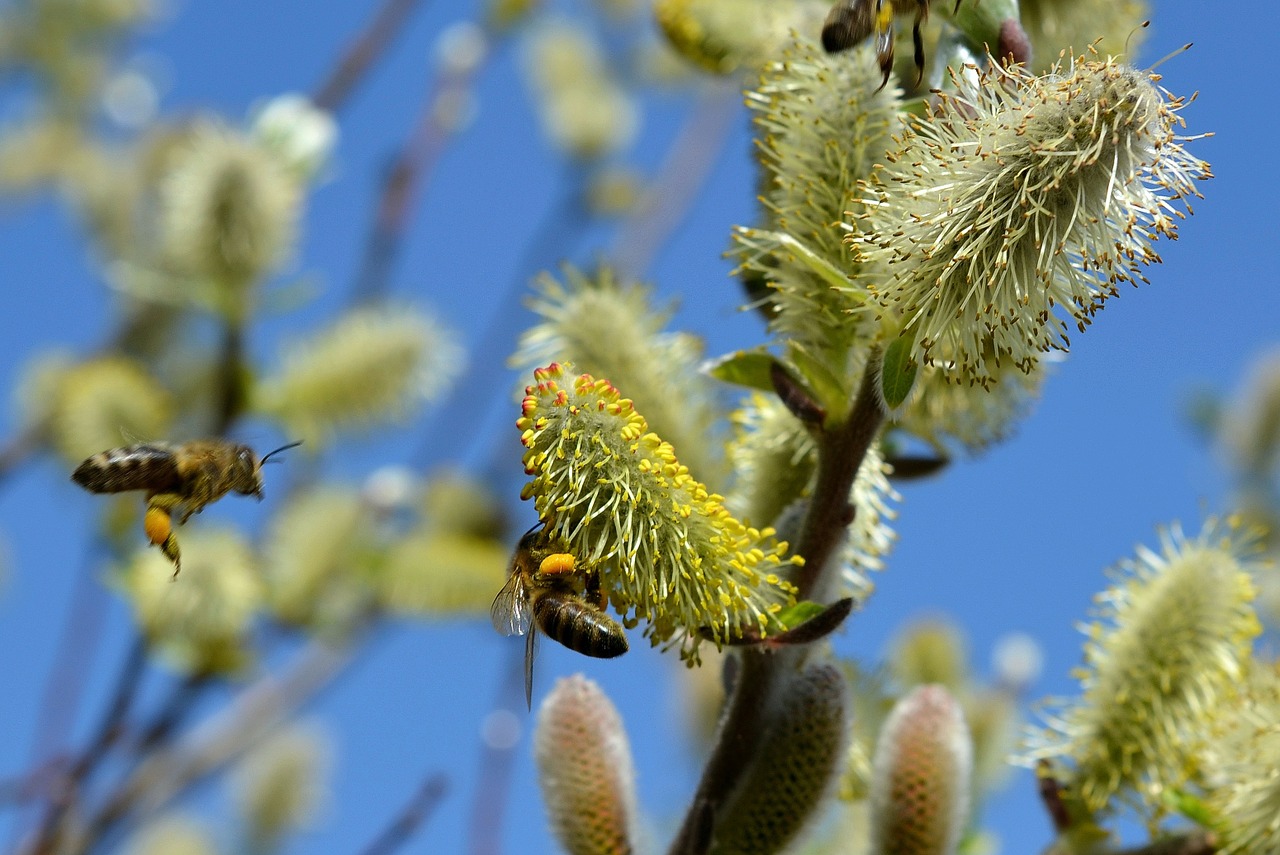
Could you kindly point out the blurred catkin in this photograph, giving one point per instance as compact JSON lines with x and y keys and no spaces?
{"x":585,"y":771}
{"x":370,"y":366}
{"x":281,"y":783}
{"x":198,"y":622}
{"x":920,"y":788}
{"x":1173,"y":637}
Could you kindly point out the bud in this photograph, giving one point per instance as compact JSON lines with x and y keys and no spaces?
{"x":370,"y":366}
{"x":584,"y":765}
{"x":920,"y":788}
{"x":931,"y":651}
{"x":791,"y":768}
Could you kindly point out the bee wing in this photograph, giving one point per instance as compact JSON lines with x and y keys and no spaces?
{"x":530,"y":651}
{"x":146,"y":466}
{"x":512,"y":610}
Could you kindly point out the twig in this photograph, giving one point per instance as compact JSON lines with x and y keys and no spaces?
{"x":406,"y":823}
{"x":364,"y":49}
{"x":67,"y":789}
{"x":406,"y":174}
{"x":681,"y":177}
{"x":169,"y":770}
{"x":1195,"y":843}
{"x":841,"y":448}
{"x":496,"y":764}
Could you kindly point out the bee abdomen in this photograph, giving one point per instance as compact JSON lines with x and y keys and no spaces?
{"x":579,"y":626}
{"x":131,"y":467}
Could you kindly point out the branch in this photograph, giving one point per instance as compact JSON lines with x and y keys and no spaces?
{"x":414,"y":814}
{"x":363,"y":51}
{"x":841,"y":449}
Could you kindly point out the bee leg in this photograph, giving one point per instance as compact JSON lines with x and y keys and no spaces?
{"x":594,"y":594}
{"x":917,"y":41}
{"x":884,"y":39}
{"x":159,"y":528}
{"x":556,"y":564}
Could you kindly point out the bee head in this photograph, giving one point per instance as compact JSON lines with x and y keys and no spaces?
{"x":246,"y":472}
{"x":248,"y":469}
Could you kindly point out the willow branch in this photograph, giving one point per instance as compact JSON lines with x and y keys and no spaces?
{"x":407,"y":822}
{"x":841,"y":449}
{"x":364,"y":50}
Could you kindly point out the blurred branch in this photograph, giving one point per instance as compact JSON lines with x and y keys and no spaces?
{"x":168,"y":771}
{"x":408,"y":172}
{"x":1196,"y":843}
{"x":362,"y":52}
{"x":550,"y":242}
{"x":67,"y":788}
{"x":406,"y":823}
{"x":680,"y":179}
{"x":493,"y":788}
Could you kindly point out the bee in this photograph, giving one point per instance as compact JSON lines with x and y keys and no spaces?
{"x":851,"y":21}
{"x":546,"y":591}
{"x":181,"y":478}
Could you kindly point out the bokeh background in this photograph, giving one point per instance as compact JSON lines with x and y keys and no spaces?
{"x":1013,"y":541}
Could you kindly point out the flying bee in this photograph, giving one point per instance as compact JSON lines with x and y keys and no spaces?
{"x":851,"y":21}
{"x":546,"y":591}
{"x":182,"y":478}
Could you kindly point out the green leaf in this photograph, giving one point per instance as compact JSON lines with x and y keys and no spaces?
{"x":825,"y":387}
{"x":802,"y":611}
{"x":749,"y":368}
{"x":897,"y":372}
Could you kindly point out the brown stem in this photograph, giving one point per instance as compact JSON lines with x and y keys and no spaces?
{"x":680,"y":178}
{"x":49,"y":838}
{"x":1195,"y":843}
{"x":406,"y":175}
{"x":372,"y":42}
{"x":414,"y":814}
{"x":841,"y":449}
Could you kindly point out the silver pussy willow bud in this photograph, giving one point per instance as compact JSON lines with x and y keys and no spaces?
{"x":920,"y":786}
{"x":1017,"y":206}
{"x":585,"y":771}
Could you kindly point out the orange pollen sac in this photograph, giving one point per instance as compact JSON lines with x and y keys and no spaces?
{"x":557,"y":564}
{"x":158,"y":525}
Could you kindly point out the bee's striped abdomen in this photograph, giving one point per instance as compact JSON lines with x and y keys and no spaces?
{"x":151,"y":467}
{"x":579,"y":626}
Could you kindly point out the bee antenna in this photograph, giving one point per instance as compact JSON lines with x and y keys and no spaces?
{"x":271,"y":454}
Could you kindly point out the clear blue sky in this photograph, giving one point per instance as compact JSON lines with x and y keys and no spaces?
{"x":1016,"y":540}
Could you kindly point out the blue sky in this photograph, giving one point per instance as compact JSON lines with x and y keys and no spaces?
{"x":1015,"y":540}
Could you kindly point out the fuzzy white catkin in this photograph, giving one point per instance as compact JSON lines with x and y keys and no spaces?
{"x":585,"y":771}
{"x":922,"y":770}
{"x":1017,"y":207}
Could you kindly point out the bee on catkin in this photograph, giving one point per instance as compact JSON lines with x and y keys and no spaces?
{"x":178,"y":477}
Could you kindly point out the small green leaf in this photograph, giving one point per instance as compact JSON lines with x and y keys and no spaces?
{"x":824,"y":387}
{"x":802,"y":611}
{"x":749,"y":368}
{"x":897,"y":372}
